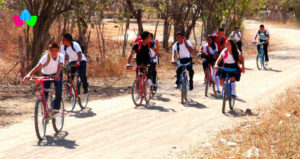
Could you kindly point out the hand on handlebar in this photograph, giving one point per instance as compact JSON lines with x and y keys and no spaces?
{"x":77,"y":64}
{"x":56,"y":77}
{"x":26,"y":78}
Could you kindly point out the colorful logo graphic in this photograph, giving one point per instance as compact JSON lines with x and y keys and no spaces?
{"x":25,"y":17}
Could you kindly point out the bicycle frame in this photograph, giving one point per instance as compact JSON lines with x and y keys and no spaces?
{"x":42,"y":96}
{"x":142,"y":78}
{"x":227,"y":80}
{"x":71,"y":80}
{"x":184,"y":73}
{"x":261,"y":52}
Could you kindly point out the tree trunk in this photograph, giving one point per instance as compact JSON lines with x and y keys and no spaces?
{"x":126,"y":34}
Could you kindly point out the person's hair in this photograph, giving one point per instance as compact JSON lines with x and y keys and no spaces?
{"x":221,"y":30}
{"x":236,"y":27}
{"x":152,"y":36}
{"x":179,"y":33}
{"x":53,"y":45}
{"x":213,"y":46}
{"x":68,"y":37}
{"x":235,"y":52}
{"x":145,"y":35}
{"x":261,"y":26}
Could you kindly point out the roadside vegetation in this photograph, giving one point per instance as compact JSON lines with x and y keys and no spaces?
{"x":274,"y":133}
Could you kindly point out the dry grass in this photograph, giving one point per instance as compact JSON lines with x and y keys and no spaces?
{"x":275,"y":133}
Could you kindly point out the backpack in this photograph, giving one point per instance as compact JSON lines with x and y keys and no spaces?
{"x":265,"y":32}
{"x":140,"y":44}
{"x":82,"y":47}
{"x":234,"y":33}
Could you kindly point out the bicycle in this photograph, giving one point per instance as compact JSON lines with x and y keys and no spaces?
{"x":208,"y":80}
{"x":260,"y":58}
{"x":72,"y":92}
{"x":183,"y":81}
{"x":140,"y":88}
{"x":226,"y":91}
{"x":42,"y":111}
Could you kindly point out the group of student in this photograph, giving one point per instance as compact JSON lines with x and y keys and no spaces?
{"x":51,"y":64}
{"x":218,"y":51}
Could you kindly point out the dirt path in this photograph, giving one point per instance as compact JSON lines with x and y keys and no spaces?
{"x":112,"y":128}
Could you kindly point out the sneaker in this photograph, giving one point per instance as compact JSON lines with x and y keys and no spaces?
{"x":85,"y":91}
{"x":176,"y":86}
{"x":266,"y":63}
{"x":150,"y":82}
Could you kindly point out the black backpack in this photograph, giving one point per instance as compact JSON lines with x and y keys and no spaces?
{"x":72,"y":46}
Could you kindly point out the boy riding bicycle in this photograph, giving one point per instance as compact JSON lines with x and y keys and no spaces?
{"x":264,"y":37}
{"x":154,"y":52}
{"x":142,"y":50}
{"x":51,"y":65}
{"x":183,"y":49}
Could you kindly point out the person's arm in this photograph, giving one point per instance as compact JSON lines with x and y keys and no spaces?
{"x":157,"y":47}
{"x":255,"y":38}
{"x":133,"y":52}
{"x":66,"y":58}
{"x":79,"y":55}
{"x":174,"y":55}
{"x":190,"y":48}
{"x":243,"y":63}
{"x":268,"y":35}
{"x":59,"y":68}
{"x":37,"y":68}
{"x":218,"y":61}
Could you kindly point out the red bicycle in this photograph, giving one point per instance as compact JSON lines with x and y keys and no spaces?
{"x":43,"y":107}
{"x":140,"y":88}
{"x":208,"y":80}
{"x":71,"y":92}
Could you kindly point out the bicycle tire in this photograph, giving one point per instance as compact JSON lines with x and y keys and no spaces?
{"x":58,"y":126}
{"x":147,"y":93}
{"x":69,"y":97}
{"x":183,"y":89}
{"x":258,"y":62}
{"x":207,"y":74}
{"x":225,"y":90}
{"x":39,"y":123}
{"x":83,"y":99}
{"x":231,"y":102}
{"x":135,"y":90}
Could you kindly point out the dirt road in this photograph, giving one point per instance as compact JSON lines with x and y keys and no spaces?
{"x":113,"y":128}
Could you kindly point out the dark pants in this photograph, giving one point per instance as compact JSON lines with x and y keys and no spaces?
{"x":265,"y":51}
{"x":152,"y":71}
{"x":239,"y":44}
{"x":204,"y":63}
{"x":189,"y":68}
{"x":58,"y":91}
{"x":82,"y":73}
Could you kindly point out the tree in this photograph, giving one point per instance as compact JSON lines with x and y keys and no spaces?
{"x":47,"y":11}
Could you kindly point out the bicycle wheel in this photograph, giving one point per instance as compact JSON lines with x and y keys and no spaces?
{"x":136,"y":95}
{"x":259,"y":62}
{"x":147,"y":93}
{"x":82,"y":98}
{"x":231,"y":102}
{"x":58,"y":121}
{"x":183,"y":89}
{"x":40,"y":123}
{"x":68,"y":96}
{"x":225,"y":90}
{"x":206,"y":81}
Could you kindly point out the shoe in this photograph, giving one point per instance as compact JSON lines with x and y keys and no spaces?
{"x":266,"y":63}
{"x":191,"y":87}
{"x":219,"y":92}
{"x":150,"y":82}
{"x":176,"y":86}
{"x":85,"y":91}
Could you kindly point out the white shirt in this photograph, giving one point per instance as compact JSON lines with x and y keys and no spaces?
{"x":262,"y":35}
{"x":183,"y":50}
{"x":229,"y":59}
{"x":52,"y":67}
{"x":211,"y":51}
{"x":153,"y":54}
{"x":71,"y":53}
{"x":236,"y":36}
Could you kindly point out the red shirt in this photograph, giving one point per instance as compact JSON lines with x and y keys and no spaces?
{"x":218,"y":42}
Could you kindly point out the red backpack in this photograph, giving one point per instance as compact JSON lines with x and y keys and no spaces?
{"x":140,"y":44}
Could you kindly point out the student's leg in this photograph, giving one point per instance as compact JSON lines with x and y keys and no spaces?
{"x":154,"y":73}
{"x":178,"y":73}
{"x":82,"y":74}
{"x":191,"y":74}
{"x":46,"y":86}
{"x":239,"y":44}
{"x":58,"y":93}
{"x":233,"y":86}
{"x":266,"y":52}
{"x":204,"y":64}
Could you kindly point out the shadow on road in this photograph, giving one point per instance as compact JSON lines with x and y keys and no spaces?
{"x":59,"y":141}
{"x":239,"y":113}
{"x":159,"y":97}
{"x":195,"y":104}
{"x":273,"y":70}
{"x":85,"y":113}
{"x":152,"y":106}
